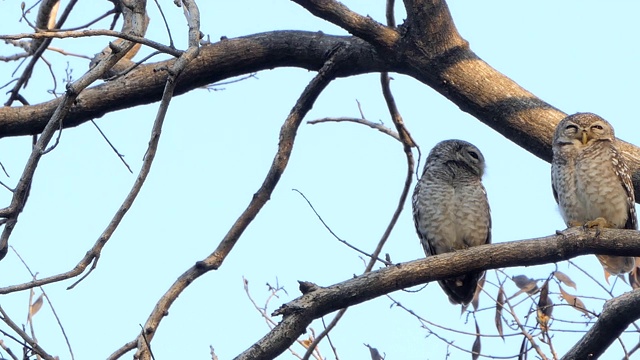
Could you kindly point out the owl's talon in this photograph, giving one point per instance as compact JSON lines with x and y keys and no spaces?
{"x":597,"y":223}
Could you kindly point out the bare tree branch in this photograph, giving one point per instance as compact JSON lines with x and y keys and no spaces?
{"x":94,"y":33}
{"x":378,"y":126}
{"x":20,"y":193}
{"x":432,"y":52}
{"x":219,"y":61}
{"x":617,"y":314}
{"x":34,"y":344}
{"x":361,"y":26}
{"x":318,"y":301}
{"x":214,"y":261}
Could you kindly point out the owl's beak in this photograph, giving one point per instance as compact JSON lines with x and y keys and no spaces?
{"x":585,"y":138}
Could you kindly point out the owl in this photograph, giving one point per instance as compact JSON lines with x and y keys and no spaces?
{"x":591,"y":183}
{"x":451,"y":211}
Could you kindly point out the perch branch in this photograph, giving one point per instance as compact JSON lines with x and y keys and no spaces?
{"x":319,"y":301}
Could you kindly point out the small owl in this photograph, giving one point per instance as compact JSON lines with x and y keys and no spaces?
{"x":451,"y":211}
{"x":591,"y":183}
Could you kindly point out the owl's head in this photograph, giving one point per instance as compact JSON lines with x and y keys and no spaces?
{"x":457,"y":154}
{"x":582,"y":129}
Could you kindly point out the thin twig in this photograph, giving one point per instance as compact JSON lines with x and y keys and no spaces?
{"x":146,"y":342}
{"x":48,"y":35}
{"x":66,"y":53}
{"x":53,"y":310}
{"x":112,"y":147}
{"x":166,"y":25}
{"x":123,"y":350}
{"x":378,"y":126}
{"x":132,"y":67}
{"x":24,"y":345}
{"x":6,"y":348}
{"x":268,"y":319}
{"x":334,"y":234}
{"x":21,"y":192}
{"x":407,"y":144}
{"x":529,"y":337}
{"x":333,"y":348}
{"x":287,"y":137}
{"x":84,"y":26}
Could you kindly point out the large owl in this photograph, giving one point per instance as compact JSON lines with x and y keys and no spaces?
{"x":591,"y":182}
{"x":451,"y":211}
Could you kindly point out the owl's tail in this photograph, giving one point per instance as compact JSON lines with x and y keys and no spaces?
{"x":461,"y":289}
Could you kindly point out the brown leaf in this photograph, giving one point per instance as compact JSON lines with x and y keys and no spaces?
{"x":375,"y":354}
{"x":476,"y":297}
{"x":575,"y":302}
{"x":545,"y":308}
{"x":475,"y":349}
{"x":499,"y":307}
{"x":307,"y":342}
{"x":523,"y":349}
{"x":526,"y":284}
{"x":634,"y":277}
{"x":606,"y":276}
{"x":35,"y":307}
{"x":565,"y":279}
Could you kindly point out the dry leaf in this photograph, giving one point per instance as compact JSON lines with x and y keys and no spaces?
{"x":307,"y":342}
{"x":545,"y":308}
{"x":499,"y":307}
{"x":475,"y":349}
{"x":35,"y":307}
{"x":375,"y":354}
{"x":525,"y":283}
{"x":606,"y":276}
{"x":634,"y":278}
{"x":565,"y":279}
{"x":476,"y":297}
{"x":574,"y":301}
{"x":523,"y":349}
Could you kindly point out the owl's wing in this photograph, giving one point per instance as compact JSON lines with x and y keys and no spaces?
{"x":488,"y":240}
{"x":622,"y":171}
{"x":553,"y":186}
{"x":416,"y":221}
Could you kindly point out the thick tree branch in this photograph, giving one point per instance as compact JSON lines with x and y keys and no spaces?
{"x":193,"y":20}
{"x":318,"y":301}
{"x":363,"y":27}
{"x":219,"y":61}
{"x":430,"y":50}
{"x":617,"y":314}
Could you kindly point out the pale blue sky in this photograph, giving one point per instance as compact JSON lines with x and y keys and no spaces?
{"x":217,"y":146}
